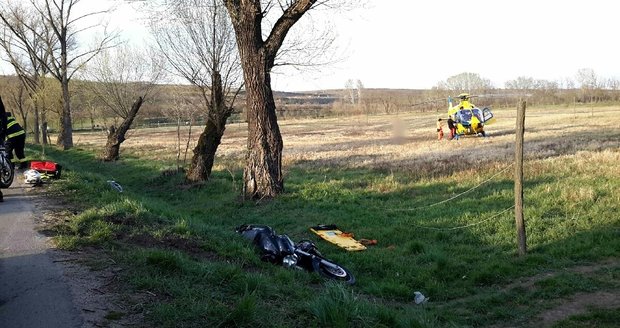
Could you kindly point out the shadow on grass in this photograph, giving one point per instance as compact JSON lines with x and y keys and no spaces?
{"x":418,"y":248}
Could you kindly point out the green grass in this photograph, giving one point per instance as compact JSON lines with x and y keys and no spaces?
{"x":179,"y":242}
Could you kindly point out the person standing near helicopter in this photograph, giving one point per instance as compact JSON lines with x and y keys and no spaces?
{"x":452,"y":128}
{"x":439,"y":129}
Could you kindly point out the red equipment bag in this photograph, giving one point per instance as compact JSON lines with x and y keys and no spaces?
{"x":45,"y":167}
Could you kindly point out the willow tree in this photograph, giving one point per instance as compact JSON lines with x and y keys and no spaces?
{"x":65,"y":24}
{"x":262,"y":175}
{"x":197,"y":39}
{"x":26,"y":53}
{"x":124,"y":77}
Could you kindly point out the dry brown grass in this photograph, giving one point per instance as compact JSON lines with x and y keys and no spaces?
{"x":405,"y":142}
{"x":575,"y":144}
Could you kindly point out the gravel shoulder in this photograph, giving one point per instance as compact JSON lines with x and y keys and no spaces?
{"x":41,"y":286}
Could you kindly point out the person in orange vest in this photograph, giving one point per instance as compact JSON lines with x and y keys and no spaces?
{"x":439,"y":129}
{"x":15,"y":140}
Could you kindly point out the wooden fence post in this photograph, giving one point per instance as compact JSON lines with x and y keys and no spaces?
{"x":520,"y":223}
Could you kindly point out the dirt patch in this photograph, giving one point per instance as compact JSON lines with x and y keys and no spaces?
{"x":529,"y":282}
{"x":97,"y":292}
{"x":93,"y":276}
{"x":188,"y":246}
{"x":576,"y":304}
{"x":579,"y":303}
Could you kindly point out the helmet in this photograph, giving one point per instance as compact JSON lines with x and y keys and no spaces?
{"x":32,"y":176}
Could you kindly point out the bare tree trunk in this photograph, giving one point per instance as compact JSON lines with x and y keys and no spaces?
{"x":65,"y":135}
{"x":189,"y":139}
{"x":117,"y":136}
{"x":204,"y":153}
{"x":44,"y":133}
{"x":37,"y":130}
{"x":211,"y":137}
{"x":45,"y":136}
{"x":263,"y":170}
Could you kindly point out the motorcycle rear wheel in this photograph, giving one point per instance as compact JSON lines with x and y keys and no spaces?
{"x":331,"y":270}
{"x":7,"y":173}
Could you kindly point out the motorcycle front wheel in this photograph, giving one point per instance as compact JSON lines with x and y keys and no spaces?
{"x":333,"y":270}
{"x":7,"y":173}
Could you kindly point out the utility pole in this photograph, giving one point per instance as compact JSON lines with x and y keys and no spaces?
{"x":520,"y":223}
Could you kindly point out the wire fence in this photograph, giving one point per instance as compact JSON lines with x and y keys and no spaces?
{"x":466,"y":225}
{"x":457,"y":196}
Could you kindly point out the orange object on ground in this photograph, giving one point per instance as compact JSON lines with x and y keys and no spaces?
{"x":368,"y":242}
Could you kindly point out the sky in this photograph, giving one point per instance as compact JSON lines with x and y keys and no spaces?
{"x":415,"y":44}
{"x":407,"y":44}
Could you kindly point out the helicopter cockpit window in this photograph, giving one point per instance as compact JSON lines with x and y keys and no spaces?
{"x":465,"y":116}
{"x":478,"y":114}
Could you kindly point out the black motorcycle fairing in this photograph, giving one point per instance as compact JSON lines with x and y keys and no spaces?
{"x":273,"y":248}
{"x":308,"y":246}
{"x":250,"y":231}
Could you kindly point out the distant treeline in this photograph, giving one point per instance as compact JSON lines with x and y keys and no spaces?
{"x":389,"y":101}
{"x":161,"y":108}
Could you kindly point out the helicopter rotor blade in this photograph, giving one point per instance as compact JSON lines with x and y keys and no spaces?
{"x":428,"y":102}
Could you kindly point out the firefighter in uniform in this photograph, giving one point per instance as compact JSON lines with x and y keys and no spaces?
{"x":15,"y":140}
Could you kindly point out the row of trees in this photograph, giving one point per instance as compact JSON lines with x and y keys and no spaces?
{"x":590,"y":84}
{"x":585,"y":87}
{"x":218,"y":46}
{"x":40,"y":39}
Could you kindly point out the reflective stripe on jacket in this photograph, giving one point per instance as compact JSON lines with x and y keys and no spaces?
{"x":13,"y":129}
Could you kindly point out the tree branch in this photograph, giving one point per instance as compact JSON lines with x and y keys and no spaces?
{"x":282,"y":26}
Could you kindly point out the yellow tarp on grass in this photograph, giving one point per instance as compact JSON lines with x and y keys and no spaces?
{"x":332,"y":234}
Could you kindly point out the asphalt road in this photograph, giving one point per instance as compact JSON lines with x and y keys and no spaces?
{"x":33,"y":291}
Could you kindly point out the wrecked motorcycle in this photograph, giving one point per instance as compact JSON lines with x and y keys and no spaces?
{"x":280,"y":249}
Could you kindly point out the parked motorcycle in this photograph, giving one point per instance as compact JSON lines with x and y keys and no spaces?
{"x":280,"y":249}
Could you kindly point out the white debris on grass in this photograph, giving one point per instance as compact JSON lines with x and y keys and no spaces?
{"x":419,"y":298}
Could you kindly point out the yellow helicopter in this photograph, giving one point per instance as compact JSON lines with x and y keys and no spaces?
{"x":469,"y":119}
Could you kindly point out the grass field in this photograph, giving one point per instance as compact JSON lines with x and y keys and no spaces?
{"x":440,"y":210}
